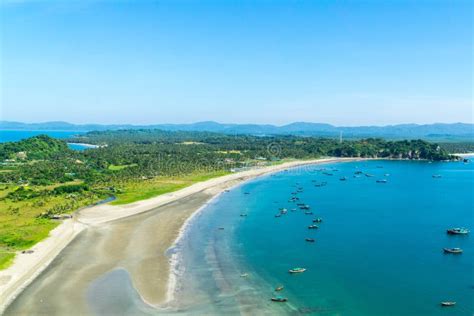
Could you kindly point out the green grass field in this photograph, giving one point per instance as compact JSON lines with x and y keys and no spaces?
{"x":21,"y":228}
{"x":145,"y":189}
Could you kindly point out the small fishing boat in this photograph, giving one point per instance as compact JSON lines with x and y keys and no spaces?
{"x":244,"y":275}
{"x":243,"y":215}
{"x":246,"y":193}
{"x":221,"y":228}
{"x":382,"y":181}
{"x":327,"y":173}
{"x":310,"y":239}
{"x":305,"y":207}
{"x":343,"y":179}
{"x":284,"y":211}
{"x":277,"y":215}
{"x":317,"y":220}
{"x":279,"y":288}
{"x":313,"y":227}
{"x":293,"y":209}
{"x":436,"y":176}
{"x":447,"y":304}
{"x":308,"y":213}
{"x":368,"y":175}
{"x":279,"y":299}
{"x":453,"y":250}
{"x":297,"y":270}
{"x":457,"y":231}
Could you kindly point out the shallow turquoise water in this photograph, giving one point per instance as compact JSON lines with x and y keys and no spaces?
{"x":378,"y":251}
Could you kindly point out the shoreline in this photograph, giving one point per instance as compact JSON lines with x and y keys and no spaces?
{"x":175,"y":256}
{"x":26,"y":267}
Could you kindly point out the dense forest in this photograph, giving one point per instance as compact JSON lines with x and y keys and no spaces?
{"x":148,"y":153}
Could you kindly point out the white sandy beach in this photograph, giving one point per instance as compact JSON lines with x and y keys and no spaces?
{"x":27,"y":267}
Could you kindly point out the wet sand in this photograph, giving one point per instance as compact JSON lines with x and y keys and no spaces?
{"x":128,"y":243}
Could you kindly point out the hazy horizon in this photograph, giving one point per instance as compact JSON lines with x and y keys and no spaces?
{"x":233,"y":123}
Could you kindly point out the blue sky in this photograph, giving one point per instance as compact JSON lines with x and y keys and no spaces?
{"x":339,"y":62}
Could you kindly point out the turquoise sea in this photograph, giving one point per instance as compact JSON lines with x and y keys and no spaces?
{"x":378,"y":250}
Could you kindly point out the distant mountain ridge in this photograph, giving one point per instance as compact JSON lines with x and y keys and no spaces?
{"x":463,"y":131}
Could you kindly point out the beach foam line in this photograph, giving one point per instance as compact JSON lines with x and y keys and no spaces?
{"x":175,"y":258}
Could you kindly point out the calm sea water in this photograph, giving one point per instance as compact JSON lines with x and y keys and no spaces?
{"x":14,"y":136}
{"x":377,"y":252}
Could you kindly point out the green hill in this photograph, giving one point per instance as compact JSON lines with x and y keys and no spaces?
{"x":34,"y":148}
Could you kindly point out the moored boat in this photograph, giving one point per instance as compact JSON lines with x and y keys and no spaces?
{"x":279,"y":288}
{"x":317,"y":220}
{"x":313,"y":227}
{"x":382,"y":181}
{"x":297,"y":270}
{"x":436,"y":176}
{"x":453,"y":250}
{"x":279,"y":299}
{"x":448,"y":303}
{"x":310,"y":239}
{"x":458,"y":231}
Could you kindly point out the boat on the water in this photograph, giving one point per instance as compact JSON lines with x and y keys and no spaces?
{"x":313,"y":227}
{"x":436,"y":176}
{"x":382,"y":181}
{"x":279,"y":299}
{"x":343,"y":179}
{"x":457,"y":231}
{"x":308,"y":213}
{"x":277,"y":215}
{"x":453,"y":250}
{"x":447,"y":304}
{"x":279,"y":288}
{"x":297,"y":270}
{"x":243,"y":215}
{"x":310,"y":239}
{"x":317,"y":220}
{"x":244,"y":275}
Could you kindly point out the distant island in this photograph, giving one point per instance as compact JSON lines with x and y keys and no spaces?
{"x":433,"y":132}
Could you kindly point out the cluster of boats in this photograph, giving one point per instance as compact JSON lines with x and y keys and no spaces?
{"x":456,"y":251}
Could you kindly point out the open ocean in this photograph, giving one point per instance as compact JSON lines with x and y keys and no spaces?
{"x":378,"y":250}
